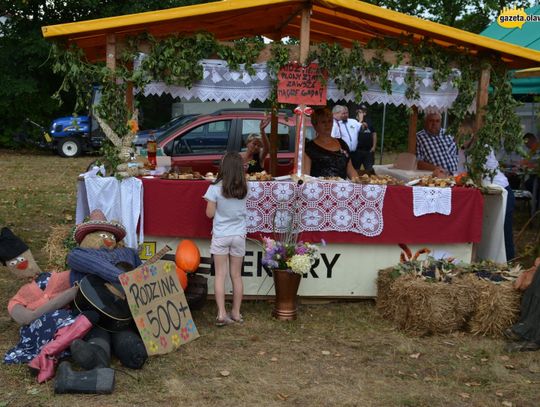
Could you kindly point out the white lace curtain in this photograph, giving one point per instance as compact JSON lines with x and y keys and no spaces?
{"x":219,"y":84}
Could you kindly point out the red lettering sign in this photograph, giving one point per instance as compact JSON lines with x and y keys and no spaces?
{"x":299,"y":84}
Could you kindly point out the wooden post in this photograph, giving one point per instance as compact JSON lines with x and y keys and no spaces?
{"x":111,"y":52}
{"x":129,"y":91}
{"x":482,"y":95}
{"x":481,"y":99}
{"x":274,"y":142}
{"x":111,"y":49}
{"x":304,"y":34}
{"x":413,"y":120}
{"x":304,"y":51}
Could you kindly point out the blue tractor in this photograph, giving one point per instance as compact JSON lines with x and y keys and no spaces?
{"x":73,"y":135}
{"x":70,"y":136}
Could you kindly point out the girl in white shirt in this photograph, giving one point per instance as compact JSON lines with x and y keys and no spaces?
{"x":226,"y":204}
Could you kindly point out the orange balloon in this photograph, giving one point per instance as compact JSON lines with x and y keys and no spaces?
{"x":182,"y":277}
{"x":187,"y":256}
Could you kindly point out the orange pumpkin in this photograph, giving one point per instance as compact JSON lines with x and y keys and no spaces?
{"x":187,"y":256}
{"x":182,"y":277}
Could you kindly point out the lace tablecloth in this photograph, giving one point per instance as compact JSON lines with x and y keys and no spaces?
{"x":315,"y":206}
{"x":432,"y":200}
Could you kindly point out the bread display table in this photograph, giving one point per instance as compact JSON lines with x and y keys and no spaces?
{"x":352,"y":255}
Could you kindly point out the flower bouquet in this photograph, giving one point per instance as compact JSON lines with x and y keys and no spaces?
{"x":297,"y":257}
{"x":288,"y":260}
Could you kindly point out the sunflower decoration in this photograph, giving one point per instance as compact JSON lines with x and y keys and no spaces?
{"x":153,"y":347}
{"x":175,"y":340}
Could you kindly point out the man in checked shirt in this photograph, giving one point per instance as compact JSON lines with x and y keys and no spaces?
{"x":435,"y":150}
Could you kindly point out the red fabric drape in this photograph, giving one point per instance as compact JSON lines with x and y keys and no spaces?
{"x":176,"y":208}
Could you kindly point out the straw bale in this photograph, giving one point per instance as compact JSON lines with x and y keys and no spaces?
{"x":497,"y":308}
{"x":429,"y":308}
{"x":385,"y":280}
{"x":55,"y":248}
{"x":421,"y":307}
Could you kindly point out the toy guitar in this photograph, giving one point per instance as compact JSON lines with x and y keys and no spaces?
{"x":108,"y":299}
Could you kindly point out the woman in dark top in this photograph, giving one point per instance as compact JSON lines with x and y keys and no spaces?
{"x":256,"y":150}
{"x":327,"y":156}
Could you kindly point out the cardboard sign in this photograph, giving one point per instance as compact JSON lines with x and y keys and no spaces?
{"x":299,"y":84}
{"x":159,"y":307}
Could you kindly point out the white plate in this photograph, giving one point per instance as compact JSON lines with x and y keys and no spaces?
{"x":413,"y":182}
{"x":283,"y":178}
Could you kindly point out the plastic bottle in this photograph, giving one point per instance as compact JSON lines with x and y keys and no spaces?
{"x":151,"y":149}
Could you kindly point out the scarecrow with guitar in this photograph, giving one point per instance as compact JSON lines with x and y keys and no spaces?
{"x":98,"y":325}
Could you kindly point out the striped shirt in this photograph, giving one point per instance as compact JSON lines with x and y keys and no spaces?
{"x":439,"y":150}
{"x":101,"y":262}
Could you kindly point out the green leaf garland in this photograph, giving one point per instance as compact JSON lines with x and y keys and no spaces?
{"x":175,"y":61}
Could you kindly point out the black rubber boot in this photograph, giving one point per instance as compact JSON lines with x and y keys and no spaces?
{"x":95,"y":381}
{"x":129,"y":348}
{"x":94,"y":351}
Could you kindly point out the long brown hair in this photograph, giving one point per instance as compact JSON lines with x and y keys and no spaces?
{"x":232,"y":175}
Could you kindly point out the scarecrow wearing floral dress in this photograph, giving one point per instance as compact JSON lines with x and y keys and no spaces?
{"x":40,"y":305}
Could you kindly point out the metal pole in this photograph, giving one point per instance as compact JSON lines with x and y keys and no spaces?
{"x":304,"y":51}
{"x":445,"y":122}
{"x":382,"y":132}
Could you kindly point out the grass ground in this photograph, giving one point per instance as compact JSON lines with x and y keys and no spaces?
{"x":339,"y":354}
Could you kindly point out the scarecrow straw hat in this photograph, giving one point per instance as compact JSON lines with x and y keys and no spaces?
{"x":98,"y":222}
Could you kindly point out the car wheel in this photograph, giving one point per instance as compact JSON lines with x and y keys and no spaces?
{"x":69,"y":147}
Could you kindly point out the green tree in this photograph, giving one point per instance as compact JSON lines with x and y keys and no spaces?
{"x":25,"y":67}
{"x":469,"y":15}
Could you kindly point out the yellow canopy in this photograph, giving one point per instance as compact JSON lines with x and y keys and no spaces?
{"x":341,"y":21}
{"x":528,"y":73}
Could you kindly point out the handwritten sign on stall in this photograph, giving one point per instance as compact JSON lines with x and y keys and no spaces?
{"x":159,"y":307}
{"x":299,"y":84}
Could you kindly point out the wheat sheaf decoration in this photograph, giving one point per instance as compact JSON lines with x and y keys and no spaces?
{"x":123,"y":144}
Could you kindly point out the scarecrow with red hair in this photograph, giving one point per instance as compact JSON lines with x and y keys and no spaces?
{"x":40,"y":305}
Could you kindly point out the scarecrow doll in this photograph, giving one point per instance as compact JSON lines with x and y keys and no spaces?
{"x":100,"y":253}
{"x":47,"y":326}
{"x":49,"y":329}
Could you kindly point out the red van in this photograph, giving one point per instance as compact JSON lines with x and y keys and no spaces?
{"x":201,"y":142}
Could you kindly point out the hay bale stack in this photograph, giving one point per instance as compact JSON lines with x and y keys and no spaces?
{"x":56,"y":249}
{"x":497,"y":308}
{"x":423,"y":308}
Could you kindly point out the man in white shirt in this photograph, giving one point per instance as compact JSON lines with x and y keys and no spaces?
{"x":346,"y":129}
